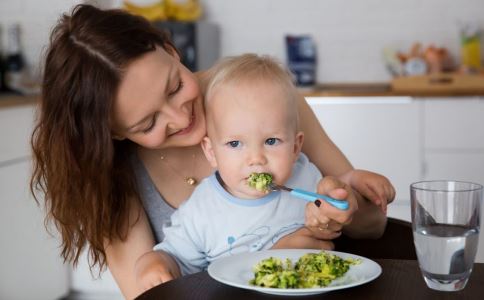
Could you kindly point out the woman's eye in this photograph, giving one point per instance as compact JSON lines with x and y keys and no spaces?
{"x":234,"y":144}
{"x":151,"y":126}
{"x":272,"y":141}
{"x":177,"y":89}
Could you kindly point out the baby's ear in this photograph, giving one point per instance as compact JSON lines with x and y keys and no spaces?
{"x":208,"y":151}
{"x":298,"y":142}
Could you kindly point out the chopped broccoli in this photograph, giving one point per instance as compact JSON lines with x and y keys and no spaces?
{"x":260,"y":181}
{"x":312,"y":270}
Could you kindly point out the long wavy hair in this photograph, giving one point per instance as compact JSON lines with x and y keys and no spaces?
{"x":84,"y":176}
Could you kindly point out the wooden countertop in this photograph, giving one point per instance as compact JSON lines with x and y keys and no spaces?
{"x":379,"y":89}
{"x":375,"y":89}
{"x":12,"y":100}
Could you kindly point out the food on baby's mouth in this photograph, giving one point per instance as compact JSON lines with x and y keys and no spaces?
{"x":312,"y":270}
{"x":260,"y":181}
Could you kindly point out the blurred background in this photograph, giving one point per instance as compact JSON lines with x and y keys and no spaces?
{"x":397,"y":84}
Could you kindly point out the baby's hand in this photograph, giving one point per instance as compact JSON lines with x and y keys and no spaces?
{"x":374,"y":187}
{"x":154,"y":268}
{"x":324,"y":219}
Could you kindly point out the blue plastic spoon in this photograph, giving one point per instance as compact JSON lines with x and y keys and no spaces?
{"x":311,"y":197}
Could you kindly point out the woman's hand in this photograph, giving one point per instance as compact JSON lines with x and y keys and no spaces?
{"x":372,"y":186}
{"x":327,"y":221}
{"x":154,"y":268}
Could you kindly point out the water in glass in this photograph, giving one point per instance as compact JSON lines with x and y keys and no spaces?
{"x":446,"y":254}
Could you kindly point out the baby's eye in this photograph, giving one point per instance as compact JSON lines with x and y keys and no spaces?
{"x":234,"y":144}
{"x":272,"y":141}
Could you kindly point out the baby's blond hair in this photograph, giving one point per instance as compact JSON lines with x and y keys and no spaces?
{"x":248,"y":68}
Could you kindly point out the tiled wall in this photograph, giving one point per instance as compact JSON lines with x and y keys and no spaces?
{"x":350,"y":34}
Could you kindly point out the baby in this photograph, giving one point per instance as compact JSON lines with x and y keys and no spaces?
{"x":252,"y":127}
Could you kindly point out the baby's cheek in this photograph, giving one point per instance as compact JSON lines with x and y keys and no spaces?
{"x":283,"y":175}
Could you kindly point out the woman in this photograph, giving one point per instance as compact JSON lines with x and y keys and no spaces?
{"x":116,"y":146}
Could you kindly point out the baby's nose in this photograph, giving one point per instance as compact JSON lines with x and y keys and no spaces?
{"x":257,"y":157}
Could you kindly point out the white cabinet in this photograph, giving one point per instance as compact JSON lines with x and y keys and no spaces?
{"x":454,"y":138}
{"x":409,"y":140}
{"x":15,"y":130}
{"x":381,"y":134}
{"x":454,"y":123}
{"x":30,"y":265}
{"x":454,"y":143}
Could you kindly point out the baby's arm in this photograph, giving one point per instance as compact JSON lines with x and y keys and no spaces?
{"x":154,"y":268}
{"x":372,"y":186}
{"x":303,"y":238}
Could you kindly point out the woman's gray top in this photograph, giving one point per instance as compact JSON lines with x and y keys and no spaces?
{"x":156,"y":208}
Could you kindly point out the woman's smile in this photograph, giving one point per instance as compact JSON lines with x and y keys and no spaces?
{"x":188,"y":129}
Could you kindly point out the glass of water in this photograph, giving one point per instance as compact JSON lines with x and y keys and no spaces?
{"x":445,"y":222}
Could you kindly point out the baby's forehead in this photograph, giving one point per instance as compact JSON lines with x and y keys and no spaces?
{"x":252,"y":88}
{"x":253,"y":103}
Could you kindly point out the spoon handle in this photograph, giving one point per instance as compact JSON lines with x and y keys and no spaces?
{"x":309,"y":196}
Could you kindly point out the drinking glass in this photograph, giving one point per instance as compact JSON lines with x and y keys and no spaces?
{"x":446,"y":223}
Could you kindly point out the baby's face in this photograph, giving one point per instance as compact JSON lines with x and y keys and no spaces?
{"x":251,"y":129}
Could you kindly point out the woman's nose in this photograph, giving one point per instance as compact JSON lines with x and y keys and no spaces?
{"x":177,"y":116}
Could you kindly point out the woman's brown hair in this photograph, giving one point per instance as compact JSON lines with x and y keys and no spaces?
{"x":84,"y":176}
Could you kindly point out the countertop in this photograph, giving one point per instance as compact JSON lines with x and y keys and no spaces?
{"x":382,"y":89}
{"x":12,"y":100}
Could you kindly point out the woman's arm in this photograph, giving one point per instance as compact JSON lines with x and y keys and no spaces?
{"x":367,"y":220}
{"x":318,"y":146}
{"x":122,"y":255}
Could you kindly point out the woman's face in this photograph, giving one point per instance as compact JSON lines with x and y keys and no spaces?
{"x":159,"y":103}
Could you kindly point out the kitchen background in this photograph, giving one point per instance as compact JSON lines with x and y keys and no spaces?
{"x":350,"y":35}
{"x":404,"y":137}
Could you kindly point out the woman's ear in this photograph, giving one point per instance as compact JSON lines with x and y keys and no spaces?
{"x":208,"y":151}
{"x":298,"y":142}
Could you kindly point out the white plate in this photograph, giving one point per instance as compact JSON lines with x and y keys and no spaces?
{"x":237,"y":271}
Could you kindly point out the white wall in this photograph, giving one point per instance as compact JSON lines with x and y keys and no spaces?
{"x":350,"y":34}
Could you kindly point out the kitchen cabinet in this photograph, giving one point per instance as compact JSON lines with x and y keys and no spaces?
{"x":381,"y":134}
{"x":409,"y":139}
{"x":31,"y":267}
{"x":454,"y":143}
{"x":15,"y":130}
{"x":454,"y":138}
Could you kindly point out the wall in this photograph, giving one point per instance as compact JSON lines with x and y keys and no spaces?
{"x":350,"y":34}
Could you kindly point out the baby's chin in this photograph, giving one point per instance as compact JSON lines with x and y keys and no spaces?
{"x":249,"y":193}
{"x":255,"y":194}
